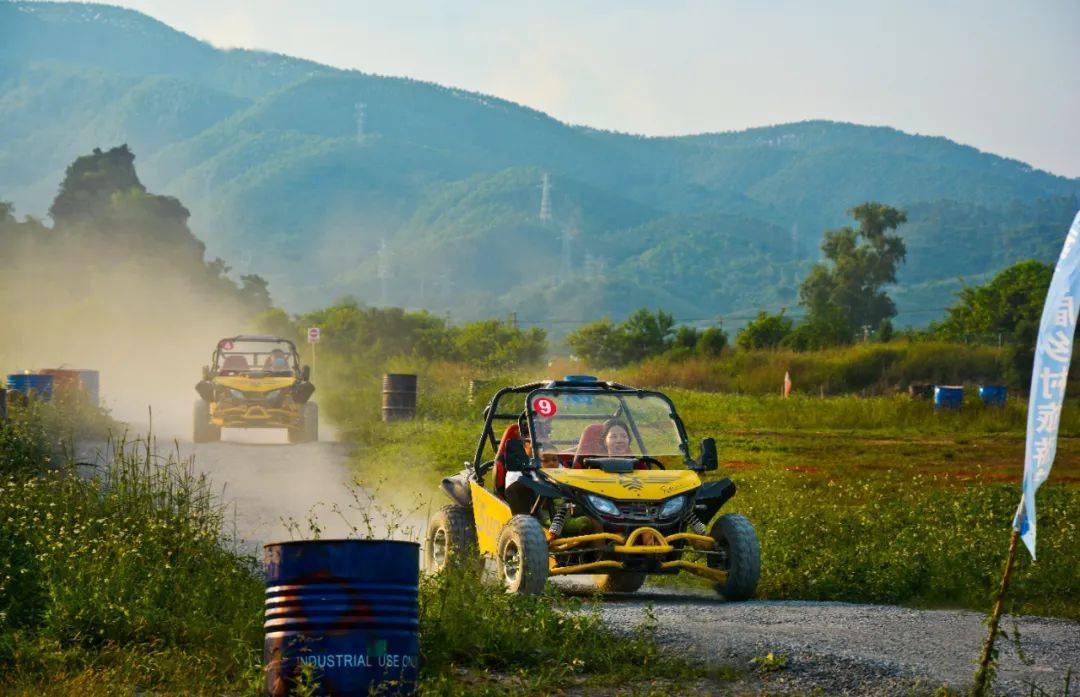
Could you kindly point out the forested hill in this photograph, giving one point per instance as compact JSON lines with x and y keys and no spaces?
{"x":334,"y":182}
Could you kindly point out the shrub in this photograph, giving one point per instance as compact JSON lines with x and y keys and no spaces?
{"x":767,"y":331}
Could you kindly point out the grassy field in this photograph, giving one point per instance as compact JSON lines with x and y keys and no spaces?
{"x":127,"y":583}
{"x":861,"y":499}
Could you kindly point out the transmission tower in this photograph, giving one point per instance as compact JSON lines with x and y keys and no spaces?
{"x":545,"y":198}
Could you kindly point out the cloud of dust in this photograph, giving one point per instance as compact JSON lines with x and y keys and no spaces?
{"x":147,"y":331}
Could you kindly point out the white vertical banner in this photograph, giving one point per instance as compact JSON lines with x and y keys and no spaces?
{"x":1053,"y":354}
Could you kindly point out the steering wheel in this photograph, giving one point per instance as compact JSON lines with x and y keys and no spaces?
{"x":651,"y":461}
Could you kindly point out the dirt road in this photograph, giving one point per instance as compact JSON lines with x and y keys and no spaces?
{"x":265,"y":482}
{"x":842,"y":648}
{"x":836,"y":648}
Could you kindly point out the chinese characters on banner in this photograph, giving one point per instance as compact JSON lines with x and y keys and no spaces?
{"x":1053,"y":353}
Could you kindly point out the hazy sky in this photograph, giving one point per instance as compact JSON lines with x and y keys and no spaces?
{"x":1003,"y":76}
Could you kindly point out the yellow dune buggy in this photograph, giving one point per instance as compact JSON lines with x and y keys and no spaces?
{"x":256,"y":381}
{"x":592,"y":477}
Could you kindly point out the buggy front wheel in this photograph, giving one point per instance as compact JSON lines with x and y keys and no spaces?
{"x":451,"y":538}
{"x":203,"y":431}
{"x":739,"y":555}
{"x":522,"y":556}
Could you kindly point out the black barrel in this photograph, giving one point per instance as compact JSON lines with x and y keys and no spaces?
{"x":342,"y":614}
{"x":398,"y":397}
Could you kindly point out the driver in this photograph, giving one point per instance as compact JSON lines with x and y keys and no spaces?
{"x":616,"y":438}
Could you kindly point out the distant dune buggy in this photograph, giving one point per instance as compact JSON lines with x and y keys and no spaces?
{"x":256,"y":381}
{"x":592,"y":477}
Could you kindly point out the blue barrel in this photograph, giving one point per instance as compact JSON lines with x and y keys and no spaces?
{"x":993,"y":395}
{"x":342,"y":614}
{"x":40,"y":386}
{"x":91,"y":385}
{"x":948,"y":396}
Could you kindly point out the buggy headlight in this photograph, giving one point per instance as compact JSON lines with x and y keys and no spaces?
{"x":273,"y":395}
{"x":603,"y":505}
{"x":236,"y":394}
{"x":672,"y":506}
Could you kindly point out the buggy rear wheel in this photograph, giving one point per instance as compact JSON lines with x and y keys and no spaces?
{"x":450,"y":539}
{"x":522,"y":556}
{"x":619,"y":582}
{"x":202,"y":430}
{"x":740,"y":556}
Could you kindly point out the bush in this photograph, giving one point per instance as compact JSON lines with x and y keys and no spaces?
{"x":766,"y":331}
{"x":130,"y":560}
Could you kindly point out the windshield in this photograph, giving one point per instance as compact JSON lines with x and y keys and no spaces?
{"x":239,"y":357}
{"x":588,"y":424}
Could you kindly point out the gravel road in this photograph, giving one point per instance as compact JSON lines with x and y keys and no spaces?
{"x":831,"y":648}
{"x":841,"y":648}
{"x":265,"y":482}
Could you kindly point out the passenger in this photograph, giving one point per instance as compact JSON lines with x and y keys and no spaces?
{"x":277,"y":362}
{"x":616,"y":438}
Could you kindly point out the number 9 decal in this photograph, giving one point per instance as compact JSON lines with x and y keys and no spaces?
{"x":545,"y":406}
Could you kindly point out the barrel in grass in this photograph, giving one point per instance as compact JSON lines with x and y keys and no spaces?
{"x":948,"y":397}
{"x":342,"y":615}
{"x":30,"y":385}
{"x":398,"y":397}
{"x":66,"y":383}
{"x":993,"y":395}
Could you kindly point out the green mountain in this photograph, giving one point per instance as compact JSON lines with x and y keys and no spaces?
{"x":332,"y":182}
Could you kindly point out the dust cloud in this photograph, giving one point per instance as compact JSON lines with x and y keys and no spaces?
{"x":149,"y":334}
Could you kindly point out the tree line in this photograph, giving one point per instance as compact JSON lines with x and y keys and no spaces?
{"x":844,"y":300}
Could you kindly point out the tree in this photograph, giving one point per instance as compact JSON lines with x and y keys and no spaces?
{"x":712,"y":342}
{"x":687,"y":337}
{"x":994,"y":310}
{"x":1007,"y":308}
{"x":90,"y":181}
{"x":647,"y":334}
{"x":847,"y":295}
{"x":496,"y":344}
{"x":766,"y":331}
{"x":255,"y":292}
{"x":600,"y":344}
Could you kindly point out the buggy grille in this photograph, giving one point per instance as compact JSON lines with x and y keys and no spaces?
{"x":639,"y":510}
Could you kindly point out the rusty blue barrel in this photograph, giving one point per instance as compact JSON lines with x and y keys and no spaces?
{"x":342,"y":615}
{"x":948,"y":396}
{"x":993,"y":395}
{"x":40,"y":386}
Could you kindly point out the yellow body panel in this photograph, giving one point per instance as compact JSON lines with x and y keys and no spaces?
{"x":491,"y":514}
{"x":638,"y":485}
{"x":250,"y":413}
{"x":249,"y":384}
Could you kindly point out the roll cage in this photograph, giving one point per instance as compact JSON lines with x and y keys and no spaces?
{"x":250,"y":338}
{"x":567,"y":386}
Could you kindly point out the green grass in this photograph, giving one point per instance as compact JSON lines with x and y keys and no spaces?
{"x":877,"y":499}
{"x":127,"y":583}
{"x":863,"y":368}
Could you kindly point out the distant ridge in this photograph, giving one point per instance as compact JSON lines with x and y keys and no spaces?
{"x":269,"y":154}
